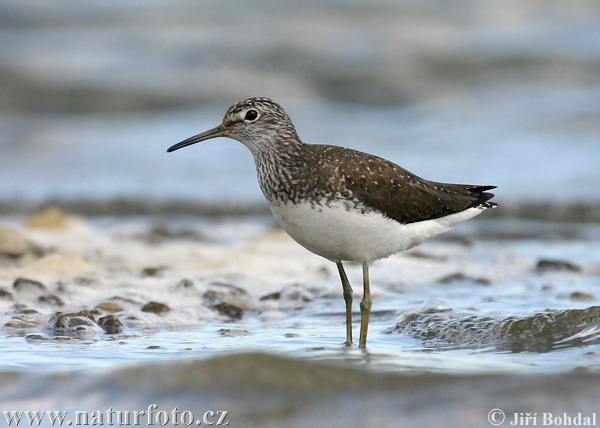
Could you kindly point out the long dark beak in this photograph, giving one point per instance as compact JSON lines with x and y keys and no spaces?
{"x":217,"y":131}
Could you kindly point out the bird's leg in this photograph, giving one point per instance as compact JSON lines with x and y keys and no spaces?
{"x":348,"y":300}
{"x":365,"y":308}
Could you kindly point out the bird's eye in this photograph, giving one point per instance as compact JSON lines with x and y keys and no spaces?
{"x":251,"y":115}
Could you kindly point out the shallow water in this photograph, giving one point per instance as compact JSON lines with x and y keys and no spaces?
{"x":473,"y":312}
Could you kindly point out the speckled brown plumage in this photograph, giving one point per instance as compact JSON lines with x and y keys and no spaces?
{"x":290,"y":170}
{"x":321,"y":173}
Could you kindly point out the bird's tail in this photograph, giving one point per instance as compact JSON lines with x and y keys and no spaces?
{"x":482,"y":196}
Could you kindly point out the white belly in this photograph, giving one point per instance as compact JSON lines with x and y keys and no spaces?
{"x":337,"y":233}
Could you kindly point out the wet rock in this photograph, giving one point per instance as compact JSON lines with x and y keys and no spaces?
{"x":43,"y":338}
{"x":153,"y":270}
{"x":548,"y":287}
{"x":30,"y":318}
{"x":21,"y":324}
{"x":219,"y":292}
{"x":24,"y":310}
{"x":229,"y":310}
{"x":82,"y":321}
{"x":461,"y":277}
{"x":13,"y":244}
{"x":36,"y":338}
{"x":5,"y":295}
{"x":185,"y":284}
{"x":233,"y":332}
{"x":582,"y":296}
{"x":155,"y":308}
{"x":273,"y":296}
{"x":25,"y":284}
{"x":51,"y":299}
{"x":111,"y":324}
{"x":153,"y":347}
{"x":109,"y":307}
{"x":291,"y":297}
{"x":547,"y":265}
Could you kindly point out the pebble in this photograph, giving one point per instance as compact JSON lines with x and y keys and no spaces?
{"x":111,"y":324}
{"x":82,"y":321}
{"x":461,"y":277}
{"x":582,"y":296}
{"x":109,"y":307}
{"x":547,"y":265}
{"x":12,"y":243}
{"x":52,"y":299}
{"x":229,"y":310}
{"x":21,"y":284}
{"x":294,"y":296}
{"x":42,"y":338}
{"x":153,"y":270}
{"x":233,"y":332}
{"x":5,"y":295}
{"x":155,"y":307}
{"x":185,"y":284}
{"x":21,"y":324}
{"x":219,"y":292}
{"x":26,"y":311}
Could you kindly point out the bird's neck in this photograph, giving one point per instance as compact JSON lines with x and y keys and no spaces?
{"x":277,"y":168}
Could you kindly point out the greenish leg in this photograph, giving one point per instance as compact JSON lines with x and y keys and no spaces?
{"x":348,"y":300}
{"x":365,"y":308}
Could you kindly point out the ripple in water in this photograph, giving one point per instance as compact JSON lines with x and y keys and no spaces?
{"x":542,"y":332}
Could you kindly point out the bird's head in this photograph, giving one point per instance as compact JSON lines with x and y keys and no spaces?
{"x":258,"y":123}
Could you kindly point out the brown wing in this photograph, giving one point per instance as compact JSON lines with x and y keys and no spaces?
{"x":401,"y":195}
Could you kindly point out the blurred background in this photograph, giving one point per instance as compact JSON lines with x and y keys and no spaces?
{"x":482,"y":91}
{"x":491,"y":92}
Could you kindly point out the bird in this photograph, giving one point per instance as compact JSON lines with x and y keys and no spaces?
{"x":342,"y":204}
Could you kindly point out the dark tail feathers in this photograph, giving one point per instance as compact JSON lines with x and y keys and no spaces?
{"x":482,"y":196}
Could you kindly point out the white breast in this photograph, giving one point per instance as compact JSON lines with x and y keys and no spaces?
{"x":338,"y":233}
